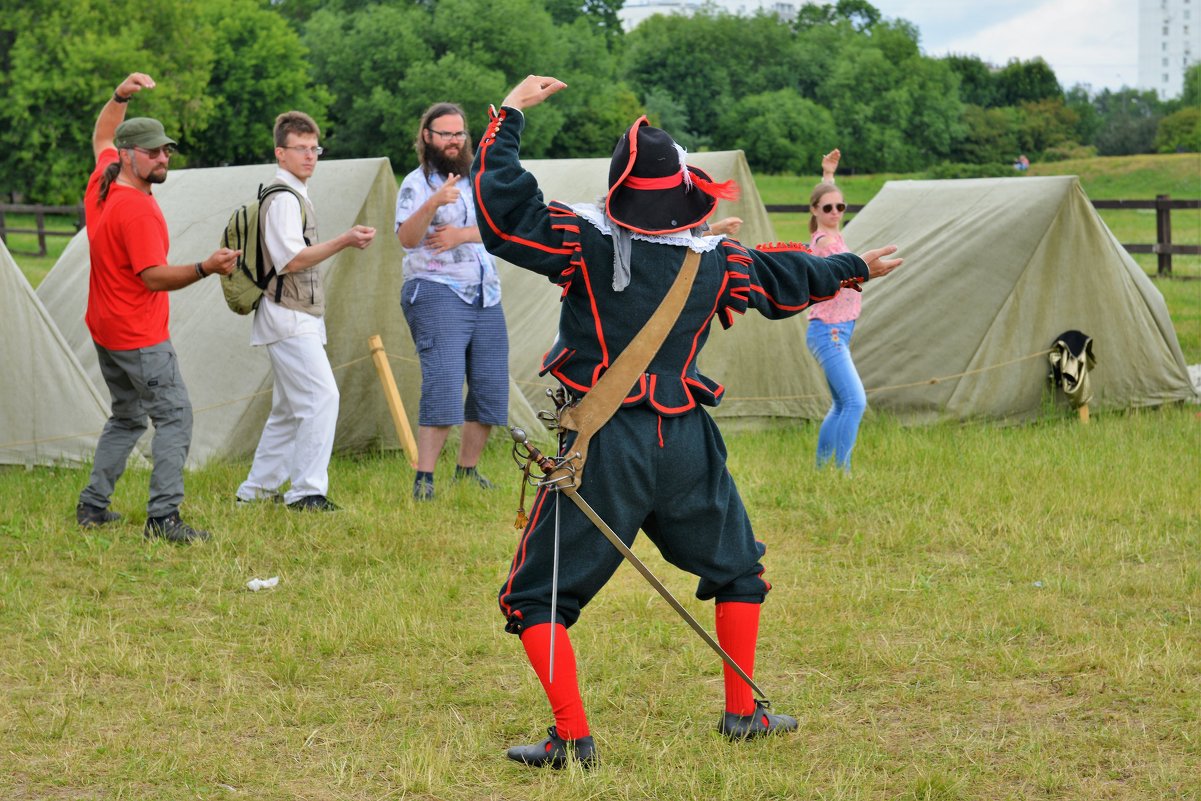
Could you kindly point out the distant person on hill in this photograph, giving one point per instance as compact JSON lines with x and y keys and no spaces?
{"x":128,"y":312}
{"x":831,"y":324}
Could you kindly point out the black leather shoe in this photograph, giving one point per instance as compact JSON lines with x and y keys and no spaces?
{"x":555,"y":752}
{"x":314,"y":503}
{"x":172,"y":529}
{"x":90,"y":516}
{"x":759,"y":723}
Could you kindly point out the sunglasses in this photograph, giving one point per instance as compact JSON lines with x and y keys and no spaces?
{"x":829,"y":207}
{"x":155,"y":152}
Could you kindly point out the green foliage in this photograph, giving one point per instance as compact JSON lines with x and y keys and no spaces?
{"x":1131,"y":118}
{"x":781,"y":132}
{"x":1026,"y":81}
{"x":990,"y":135}
{"x":259,"y":70}
{"x":1180,"y":132}
{"x":977,"y":86}
{"x":223,"y":68}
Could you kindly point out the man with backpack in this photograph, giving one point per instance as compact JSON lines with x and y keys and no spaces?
{"x":298,"y":437}
{"x":128,"y":314}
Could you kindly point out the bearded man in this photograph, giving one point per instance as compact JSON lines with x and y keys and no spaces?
{"x":451,"y":301}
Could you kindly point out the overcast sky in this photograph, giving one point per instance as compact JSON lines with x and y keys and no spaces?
{"x":1084,"y":41}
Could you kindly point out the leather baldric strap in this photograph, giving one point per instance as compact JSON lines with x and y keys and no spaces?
{"x":606,"y":396}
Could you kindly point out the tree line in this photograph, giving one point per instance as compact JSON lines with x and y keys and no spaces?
{"x":783,"y":90}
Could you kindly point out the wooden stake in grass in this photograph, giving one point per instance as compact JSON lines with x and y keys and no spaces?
{"x":401,"y":420}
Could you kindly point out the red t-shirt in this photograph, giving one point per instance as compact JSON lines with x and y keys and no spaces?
{"x":126,"y":235}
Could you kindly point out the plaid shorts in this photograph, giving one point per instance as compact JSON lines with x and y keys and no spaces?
{"x":457,"y":343}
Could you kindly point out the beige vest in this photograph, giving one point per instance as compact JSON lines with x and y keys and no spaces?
{"x":301,"y":290}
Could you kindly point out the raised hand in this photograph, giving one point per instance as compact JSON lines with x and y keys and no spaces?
{"x":532,"y":91}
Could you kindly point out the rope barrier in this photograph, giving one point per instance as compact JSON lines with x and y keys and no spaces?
{"x":544,"y":385}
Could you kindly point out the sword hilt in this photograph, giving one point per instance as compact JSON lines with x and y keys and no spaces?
{"x":545,"y":463}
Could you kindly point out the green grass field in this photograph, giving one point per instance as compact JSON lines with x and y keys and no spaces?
{"x":984,"y":612}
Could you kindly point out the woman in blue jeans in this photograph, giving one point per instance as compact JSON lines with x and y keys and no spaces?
{"x":831,"y":324}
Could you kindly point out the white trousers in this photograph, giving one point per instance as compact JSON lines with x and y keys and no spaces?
{"x":299,"y":435}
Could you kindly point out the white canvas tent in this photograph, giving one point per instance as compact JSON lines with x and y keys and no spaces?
{"x":50,"y":413}
{"x":995,"y":270}
{"x":229,"y":381}
{"x":765,"y":366}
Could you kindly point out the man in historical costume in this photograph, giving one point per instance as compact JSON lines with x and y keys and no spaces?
{"x":659,"y":462}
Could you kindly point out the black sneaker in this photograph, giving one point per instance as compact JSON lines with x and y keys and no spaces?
{"x":314,"y":503}
{"x":473,"y":475}
{"x":90,"y":516}
{"x":172,"y":529}
{"x":757,"y":724}
{"x":423,"y":489}
{"x":555,"y":752}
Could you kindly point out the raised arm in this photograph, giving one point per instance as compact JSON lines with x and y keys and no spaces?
{"x":113,"y":113}
{"x":514,"y":221}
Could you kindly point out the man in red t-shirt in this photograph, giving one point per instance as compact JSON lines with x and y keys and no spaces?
{"x":128,"y":312}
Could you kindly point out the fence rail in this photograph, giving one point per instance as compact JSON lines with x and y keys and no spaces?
{"x":39,"y":214}
{"x":1163,"y":205}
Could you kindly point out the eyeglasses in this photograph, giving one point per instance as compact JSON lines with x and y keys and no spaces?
{"x":306,"y":151}
{"x":829,"y":207}
{"x":456,"y":136}
{"x":155,"y":152}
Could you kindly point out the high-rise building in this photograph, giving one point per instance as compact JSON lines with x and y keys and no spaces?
{"x":1169,"y":41}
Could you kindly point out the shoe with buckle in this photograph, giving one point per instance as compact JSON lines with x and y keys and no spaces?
{"x":172,"y":529}
{"x":314,"y":503}
{"x":423,"y":489}
{"x":473,"y":475}
{"x":90,"y":516}
{"x":555,"y":752}
{"x":759,"y":723}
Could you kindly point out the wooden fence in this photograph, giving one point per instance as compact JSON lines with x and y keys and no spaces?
{"x":39,"y":214}
{"x":1162,"y":204}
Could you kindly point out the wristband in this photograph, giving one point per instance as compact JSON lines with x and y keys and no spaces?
{"x":118,"y":98}
{"x":200,"y":273}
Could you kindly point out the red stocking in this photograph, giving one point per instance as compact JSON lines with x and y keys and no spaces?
{"x":737,"y":633}
{"x":564,"y":693}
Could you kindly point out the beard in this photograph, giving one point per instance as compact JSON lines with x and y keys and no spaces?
{"x":439,"y":162}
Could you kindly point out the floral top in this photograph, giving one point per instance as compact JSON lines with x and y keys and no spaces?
{"x":844,"y":306}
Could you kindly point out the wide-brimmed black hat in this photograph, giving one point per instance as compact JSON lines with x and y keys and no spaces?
{"x":652,"y":190}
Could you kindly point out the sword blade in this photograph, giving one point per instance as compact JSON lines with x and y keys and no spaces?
{"x":625,"y":551}
{"x":554,"y":597}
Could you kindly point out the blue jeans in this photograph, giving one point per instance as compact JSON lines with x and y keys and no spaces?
{"x":830,"y":343}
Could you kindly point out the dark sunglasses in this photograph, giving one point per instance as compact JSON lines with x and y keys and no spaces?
{"x":829,"y":207}
{"x":155,"y":152}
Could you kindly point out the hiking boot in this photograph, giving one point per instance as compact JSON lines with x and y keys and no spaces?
{"x":314,"y":503}
{"x":90,"y":516}
{"x":172,"y":529}
{"x":423,"y":489}
{"x":555,"y":752}
{"x":473,"y":475}
{"x":757,"y":724}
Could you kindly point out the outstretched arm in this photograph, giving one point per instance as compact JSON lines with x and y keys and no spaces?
{"x":113,"y":113}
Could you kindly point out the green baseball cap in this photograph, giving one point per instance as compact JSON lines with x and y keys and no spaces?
{"x":141,"y":132}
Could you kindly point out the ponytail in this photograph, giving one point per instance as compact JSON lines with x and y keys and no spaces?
{"x":110,"y":174}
